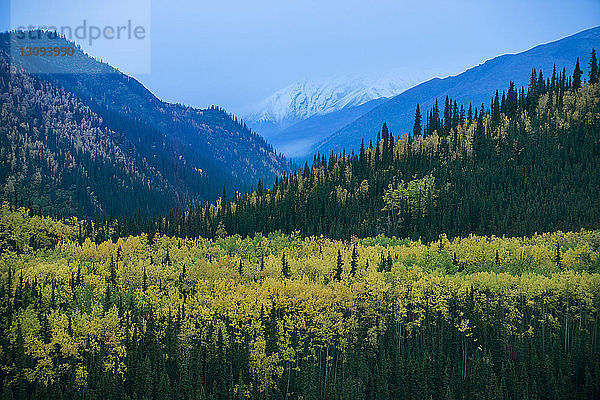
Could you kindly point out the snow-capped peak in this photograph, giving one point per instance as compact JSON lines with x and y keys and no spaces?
{"x":307,"y":98}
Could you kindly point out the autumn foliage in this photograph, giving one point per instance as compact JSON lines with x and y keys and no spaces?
{"x":473,"y":317}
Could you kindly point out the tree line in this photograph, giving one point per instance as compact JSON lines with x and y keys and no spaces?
{"x":526,"y":163}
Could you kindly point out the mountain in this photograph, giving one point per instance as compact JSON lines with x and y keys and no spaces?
{"x":476,"y":85}
{"x":88,"y":140}
{"x":341,"y":99}
{"x":296,"y":141}
{"x":529,"y":165}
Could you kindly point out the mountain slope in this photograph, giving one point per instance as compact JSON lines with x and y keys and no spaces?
{"x":476,"y":85}
{"x":184,"y":155}
{"x":297,"y":140}
{"x":328,"y":105}
{"x":58,"y":156}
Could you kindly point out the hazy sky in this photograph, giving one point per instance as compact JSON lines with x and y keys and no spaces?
{"x":235,"y":52}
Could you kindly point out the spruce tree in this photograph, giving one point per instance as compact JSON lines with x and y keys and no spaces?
{"x":385,"y":133}
{"x":354,"y":261}
{"x":435,"y":118}
{"x":593,"y":68}
{"x":447,"y":116}
{"x":470,"y":114}
{"x":339,"y":267}
{"x":183,"y":274}
{"x":495,"y":109}
{"x":417,"y":125}
{"x":577,"y":76}
{"x":382,"y":263}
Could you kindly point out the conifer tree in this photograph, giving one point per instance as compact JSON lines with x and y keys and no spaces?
{"x":435,"y":118}
{"x":354,"y":260}
{"x":385,"y":134}
{"x":470,"y":114}
{"x":455,"y":115}
{"x":447,"y":116}
{"x":79,"y":279}
{"x":259,"y":187}
{"x":417,"y":124}
{"x":577,"y":76}
{"x":495,"y":109}
{"x":533,"y":82}
{"x":339,"y":266}
{"x":182,"y":275}
{"x":593,"y":68}
{"x":511,"y":100}
{"x":382,"y":263}
{"x":541,"y":83}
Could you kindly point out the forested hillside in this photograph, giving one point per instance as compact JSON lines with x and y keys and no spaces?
{"x":475,"y":85}
{"x":57,"y":155}
{"x":286,"y":317}
{"x":87,"y":140}
{"x":527,"y":163}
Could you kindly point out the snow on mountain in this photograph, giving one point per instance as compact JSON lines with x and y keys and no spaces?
{"x":308,"y":98}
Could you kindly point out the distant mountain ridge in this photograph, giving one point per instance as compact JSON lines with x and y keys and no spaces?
{"x":297,"y":140}
{"x":189,"y":155}
{"x":303,"y":100}
{"x":476,"y":85}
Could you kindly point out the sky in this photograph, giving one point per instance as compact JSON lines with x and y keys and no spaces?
{"x":234,"y":53}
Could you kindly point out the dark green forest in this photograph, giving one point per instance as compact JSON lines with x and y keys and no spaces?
{"x":99,"y":144}
{"x":526,"y":163}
